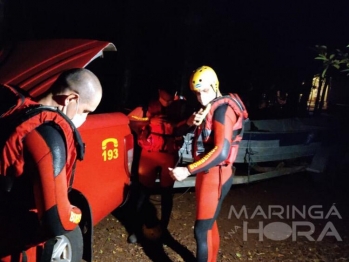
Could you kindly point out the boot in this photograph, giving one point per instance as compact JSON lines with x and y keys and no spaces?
{"x":137,"y":213}
{"x":166,"y":206}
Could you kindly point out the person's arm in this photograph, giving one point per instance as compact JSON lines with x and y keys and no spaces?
{"x":223,"y":121}
{"x":46,"y":148}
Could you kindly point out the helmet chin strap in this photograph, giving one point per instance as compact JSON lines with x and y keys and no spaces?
{"x":216,"y":91}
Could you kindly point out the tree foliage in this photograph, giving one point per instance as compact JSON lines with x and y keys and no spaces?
{"x":332,"y":59}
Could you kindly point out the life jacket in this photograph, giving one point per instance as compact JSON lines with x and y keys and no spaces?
{"x":159,"y":137}
{"x":156,"y":137}
{"x":21,"y":116}
{"x":234,"y":101}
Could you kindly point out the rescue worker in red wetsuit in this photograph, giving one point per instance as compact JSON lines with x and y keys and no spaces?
{"x":218,"y":137}
{"x":154,"y":127}
{"x":37,"y":207}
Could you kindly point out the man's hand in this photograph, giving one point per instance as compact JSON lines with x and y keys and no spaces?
{"x":198,"y":117}
{"x":179,"y":173}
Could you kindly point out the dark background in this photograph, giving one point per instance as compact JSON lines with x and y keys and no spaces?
{"x":251,"y":44}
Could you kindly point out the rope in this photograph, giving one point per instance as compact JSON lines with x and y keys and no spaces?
{"x":175,"y":198}
{"x":185,"y":147}
{"x":249,"y":153}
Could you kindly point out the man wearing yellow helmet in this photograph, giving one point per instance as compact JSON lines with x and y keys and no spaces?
{"x":215,"y":147}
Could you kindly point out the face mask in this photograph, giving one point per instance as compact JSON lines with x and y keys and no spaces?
{"x":205,"y":99}
{"x":78,"y":119}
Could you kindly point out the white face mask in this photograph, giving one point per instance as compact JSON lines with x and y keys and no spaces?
{"x":78,"y":119}
{"x":205,"y":98}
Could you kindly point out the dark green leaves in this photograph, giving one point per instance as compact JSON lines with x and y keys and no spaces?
{"x":336,"y":59}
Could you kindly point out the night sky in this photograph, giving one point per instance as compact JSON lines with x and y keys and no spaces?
{"x":248,"y":43}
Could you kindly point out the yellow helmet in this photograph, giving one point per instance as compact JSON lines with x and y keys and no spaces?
{"x":203,"y":76}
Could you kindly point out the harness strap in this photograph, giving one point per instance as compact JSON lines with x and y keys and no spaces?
{"x":80,"y":146}
{"x":238,"y":103}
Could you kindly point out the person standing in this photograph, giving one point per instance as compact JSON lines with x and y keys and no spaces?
{"x":154,"y":127}
{"x":218,"y":130}
{"x":40,"y":157}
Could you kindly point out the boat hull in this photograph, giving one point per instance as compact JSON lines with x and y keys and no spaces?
{"x":276,"y":147}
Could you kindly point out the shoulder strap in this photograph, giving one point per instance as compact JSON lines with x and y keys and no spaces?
{"x":35,"y":110}
{"x":234,"y":101}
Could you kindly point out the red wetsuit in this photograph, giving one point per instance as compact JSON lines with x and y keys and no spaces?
{"x":158,"y":145}
{"x":214,"y":175}
{"x":159,"y":152}
{"x":37,"y":207}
